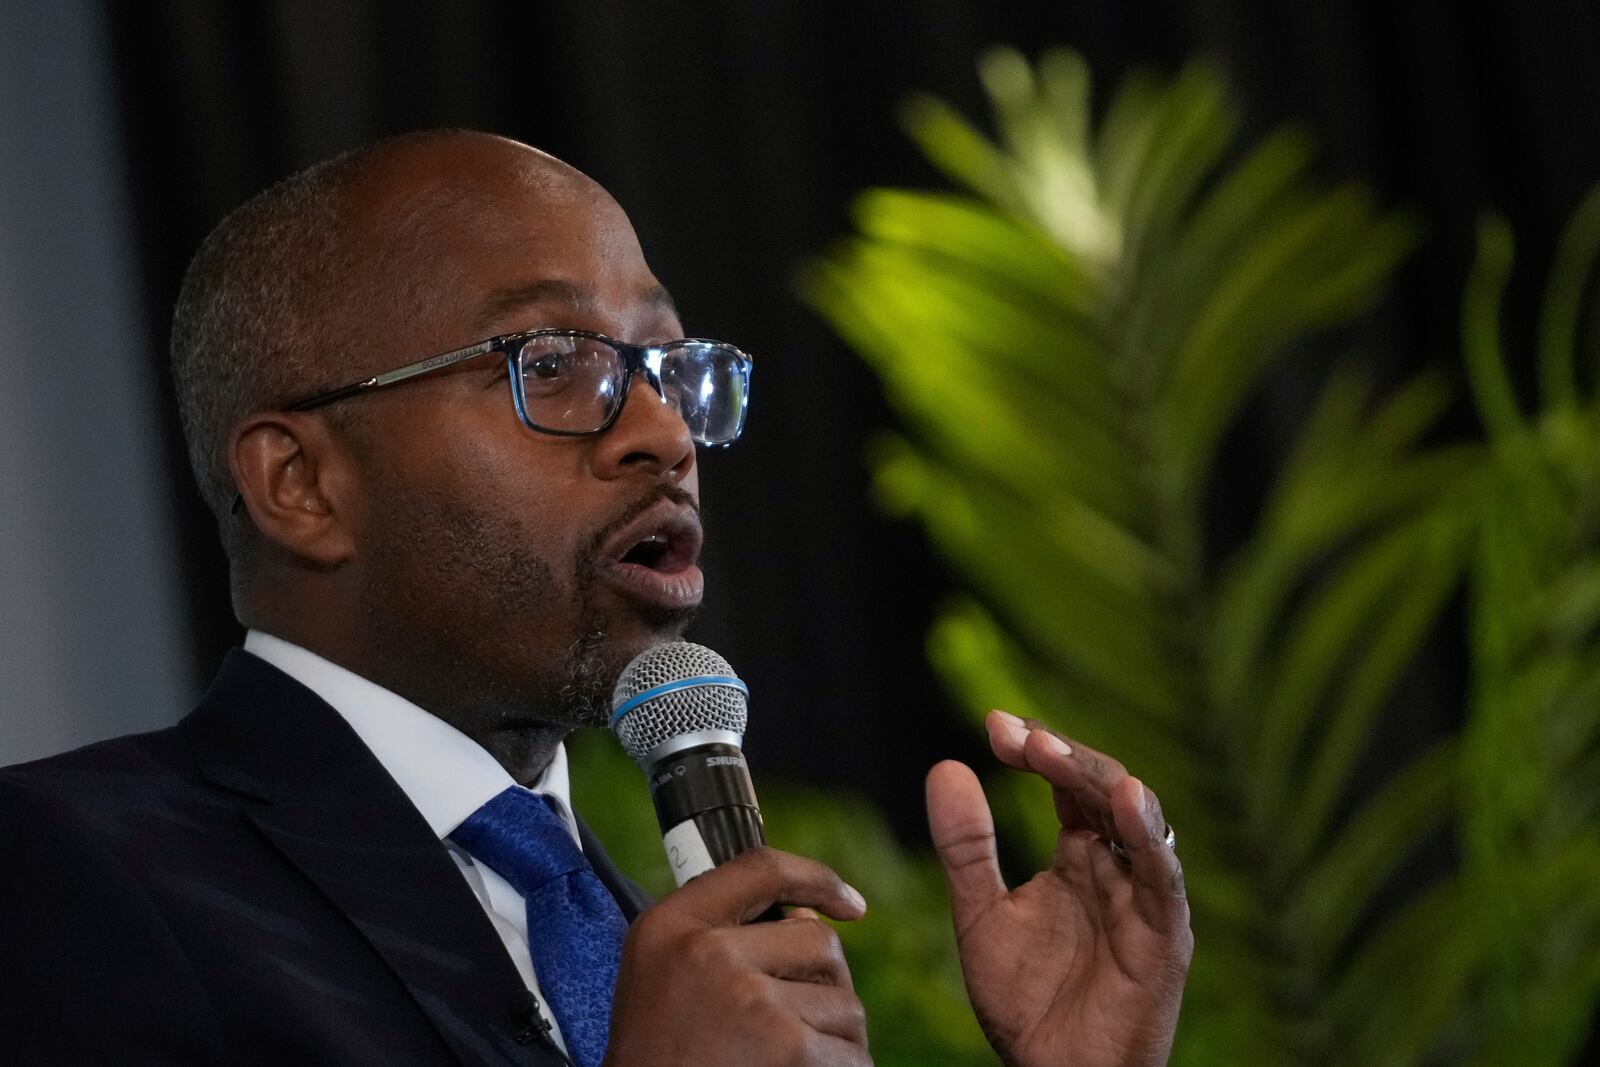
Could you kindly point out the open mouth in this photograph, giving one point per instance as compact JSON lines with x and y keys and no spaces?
{"x":659,"y":552}
{"x":654,"y":558}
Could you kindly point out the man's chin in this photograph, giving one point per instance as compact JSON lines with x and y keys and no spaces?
{"x":598,"y":658}
{"x":646,"y":629}
{"x":666,"y":624}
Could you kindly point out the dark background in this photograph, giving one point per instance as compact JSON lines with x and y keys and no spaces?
{"x":735,"y":134}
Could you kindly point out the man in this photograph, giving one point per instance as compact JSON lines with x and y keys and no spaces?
{"x":358,"y":848}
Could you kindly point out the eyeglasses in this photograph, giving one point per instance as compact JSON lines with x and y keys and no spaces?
{"x":572,"y":383}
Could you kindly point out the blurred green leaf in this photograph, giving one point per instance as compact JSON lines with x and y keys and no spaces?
{"x":1066,"y":346}
{"x":1563,"y":303}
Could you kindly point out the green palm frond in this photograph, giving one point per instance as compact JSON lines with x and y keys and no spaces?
{"x":1066,"y":349}
{"x":1532,"y":782}
{"x":1066,"y":343}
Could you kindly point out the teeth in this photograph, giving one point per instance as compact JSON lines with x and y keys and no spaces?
{"x":643,"y":550}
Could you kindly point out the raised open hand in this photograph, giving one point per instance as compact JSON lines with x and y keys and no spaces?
{"x":1085,"y":963}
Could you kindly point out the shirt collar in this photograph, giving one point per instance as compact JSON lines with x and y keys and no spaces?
{"x":445,"y":773}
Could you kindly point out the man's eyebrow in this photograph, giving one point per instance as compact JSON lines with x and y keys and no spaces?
{"x":559,"y":291}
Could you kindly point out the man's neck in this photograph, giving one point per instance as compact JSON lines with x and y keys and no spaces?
{"x":524,"y":752}
{"x":522,"y":743}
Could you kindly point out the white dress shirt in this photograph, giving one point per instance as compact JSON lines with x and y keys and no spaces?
{"x":446,"y":774}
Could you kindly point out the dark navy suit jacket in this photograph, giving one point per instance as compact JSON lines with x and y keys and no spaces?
{"x":248,"y":886}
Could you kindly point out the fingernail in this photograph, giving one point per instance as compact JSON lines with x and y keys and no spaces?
{"x":1014,"y":727}
{"x":1147,"y":800}
{"x":855,"y":896}
{"x":1061,"y":747}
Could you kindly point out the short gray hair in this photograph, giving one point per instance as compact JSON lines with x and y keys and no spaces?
{"x":265,"y":313}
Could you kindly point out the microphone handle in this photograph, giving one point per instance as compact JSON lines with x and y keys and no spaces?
{"x":706,"y":806}
{"x":728,"y":831}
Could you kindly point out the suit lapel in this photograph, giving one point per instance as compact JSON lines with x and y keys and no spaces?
{"x":333,"y":812}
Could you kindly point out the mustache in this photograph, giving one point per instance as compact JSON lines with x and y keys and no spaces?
{"x":589,"y":557}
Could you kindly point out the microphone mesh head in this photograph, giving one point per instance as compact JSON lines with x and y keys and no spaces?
{"x":680,"y":711}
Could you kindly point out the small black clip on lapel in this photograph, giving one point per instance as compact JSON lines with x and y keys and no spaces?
{"x":530,"y":1021}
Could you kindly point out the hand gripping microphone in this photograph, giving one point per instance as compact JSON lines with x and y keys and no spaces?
{"x":680,"y":712}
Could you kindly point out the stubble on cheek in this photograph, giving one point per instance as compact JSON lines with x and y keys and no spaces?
{"x":489,"y":633}
{"x":462,"y":607}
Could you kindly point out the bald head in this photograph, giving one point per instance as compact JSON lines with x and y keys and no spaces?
{"x":295,"y":291}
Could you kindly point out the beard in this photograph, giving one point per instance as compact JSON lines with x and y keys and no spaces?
{"x":593,"y":662}
{"x":474,"y":626}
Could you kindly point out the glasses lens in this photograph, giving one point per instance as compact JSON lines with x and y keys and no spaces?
{"x":710,"y":385}
{"x":569,"y":384}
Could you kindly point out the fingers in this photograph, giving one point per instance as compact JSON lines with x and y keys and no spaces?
{"x":836,"y":1013}
{"x":1081,"y":778}
{"x":1158,"y":895}
{"x":962,"y":828}
{"x":1095,"y":792}
{"x":746,"y":886}
{"x":1007,"y":735}
{"x":797,"y":949}
{"x":700,"y":983}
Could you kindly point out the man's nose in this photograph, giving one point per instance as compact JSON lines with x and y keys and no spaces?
{"x":648,"y":435}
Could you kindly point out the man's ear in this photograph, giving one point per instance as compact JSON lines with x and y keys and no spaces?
{"x":298,"y":482}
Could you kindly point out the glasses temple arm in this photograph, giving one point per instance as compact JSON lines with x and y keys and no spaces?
{"x":399,"y":374}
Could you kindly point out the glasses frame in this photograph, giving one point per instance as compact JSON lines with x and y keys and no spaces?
{"x":636,"y":359}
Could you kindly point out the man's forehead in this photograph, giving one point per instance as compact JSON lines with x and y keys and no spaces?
{"x":567,"y":294}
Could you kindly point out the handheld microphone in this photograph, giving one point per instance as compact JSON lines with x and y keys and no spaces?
{"x":680,"y":713}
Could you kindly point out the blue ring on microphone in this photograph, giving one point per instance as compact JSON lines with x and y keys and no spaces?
{"x":682,"y":683}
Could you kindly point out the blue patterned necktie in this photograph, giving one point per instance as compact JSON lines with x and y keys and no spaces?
{"x":575,"y":928}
